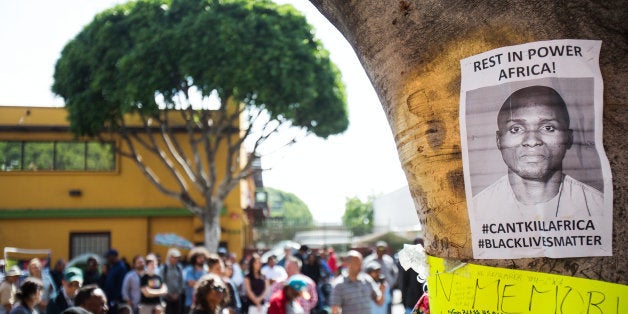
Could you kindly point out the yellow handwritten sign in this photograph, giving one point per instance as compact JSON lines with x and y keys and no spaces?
{"x":475,"y":289}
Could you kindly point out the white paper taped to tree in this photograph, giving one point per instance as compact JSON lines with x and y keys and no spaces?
{"x":537,"y":180}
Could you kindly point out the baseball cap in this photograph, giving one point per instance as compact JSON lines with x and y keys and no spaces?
{"x":372,"y":266}
{"x":299,"y":283}
{"x":73,"y":274}
{"x":111,"y":252}
{"x":381,"y":244}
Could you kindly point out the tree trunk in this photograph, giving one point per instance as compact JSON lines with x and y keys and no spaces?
{"x":211,"y":226}
{"x":411,"y":52}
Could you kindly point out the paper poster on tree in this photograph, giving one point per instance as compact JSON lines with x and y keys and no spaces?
{"x":476,"y":289}
{"x":537,"y":180}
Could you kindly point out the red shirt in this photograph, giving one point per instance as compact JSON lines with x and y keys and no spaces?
{"x":277,"y":303}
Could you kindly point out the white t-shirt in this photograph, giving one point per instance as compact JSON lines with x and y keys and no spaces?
{"x":574,"y":200}
{"x":275,"y":273}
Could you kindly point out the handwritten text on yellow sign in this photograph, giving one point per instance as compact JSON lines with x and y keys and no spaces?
{"x":488,"y":290}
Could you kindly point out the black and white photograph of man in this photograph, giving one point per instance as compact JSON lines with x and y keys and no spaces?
{"x":533,"y":135}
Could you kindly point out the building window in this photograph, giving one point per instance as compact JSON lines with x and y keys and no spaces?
{"x":56,"y":156}
{"x":92,"y":242}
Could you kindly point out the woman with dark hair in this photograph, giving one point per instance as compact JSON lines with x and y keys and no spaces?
{"x":28,"y":297}
{"x":255,"y":286}
{"x":210,"y":295}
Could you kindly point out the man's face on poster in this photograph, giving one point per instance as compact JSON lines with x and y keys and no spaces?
{"x":533,"y":137}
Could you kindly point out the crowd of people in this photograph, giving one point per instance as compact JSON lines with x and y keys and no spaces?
{"x":301,"y":281}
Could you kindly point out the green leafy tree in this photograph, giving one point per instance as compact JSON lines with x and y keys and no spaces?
{"x":358,"y":216}
{"x":290,"y":207}
{"x":162,"y":60}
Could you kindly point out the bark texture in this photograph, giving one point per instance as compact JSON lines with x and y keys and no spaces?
{"x":411,"y":50}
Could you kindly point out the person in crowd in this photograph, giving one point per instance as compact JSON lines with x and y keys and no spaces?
{"x":303,"y":253}
{"x":285,"y":300}
{"x":124,"y":309}
{"x":8,"y":288}
{"x":287,"y":251}
{"x":244,"y":264}
{"x":70,"y":284}
{"x":131,"y":286}
{"x":222,"y":252}
{"x":153,"y":288}
{"x":293,"y":267}
{"x":313,"y":268}
{"x":373,"y":269}
{"x":238,"y":275}
{"x":28,"y":297}
{"x":36,"y":270}
{"x":90,"y":299}
{"x":411,"y":288}
{"x":57,"y":273}
{"x":353,"y":292}
{"x":210,"y":295}
{"x":235,"y":303}
{"x":172,"y":273}
{"x":388,"y":268}
{"x":215,"y":264}
{"x":273,"y":272}
{"x":91,"y":275}
{"x":192,"y":274}
{"x":255,"y":286}
{"x":332,"y":261}
{"x":116,"y":270}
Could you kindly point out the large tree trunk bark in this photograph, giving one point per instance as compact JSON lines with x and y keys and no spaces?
{"x":411,"y":50}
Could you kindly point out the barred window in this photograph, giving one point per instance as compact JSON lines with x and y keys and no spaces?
{"x":89,"y":242}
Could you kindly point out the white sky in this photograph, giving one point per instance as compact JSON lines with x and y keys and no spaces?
{"x":323,"y":173}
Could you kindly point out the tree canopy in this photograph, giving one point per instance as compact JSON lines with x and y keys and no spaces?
{"x":164,"y":61}
{"x":359,"y":216}
{"x":256,"y":52}
{"x":290,"y":207}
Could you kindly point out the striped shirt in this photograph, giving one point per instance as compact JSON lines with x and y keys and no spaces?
{"x":354,"y":297}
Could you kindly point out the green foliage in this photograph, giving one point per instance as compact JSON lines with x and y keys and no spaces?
{"x":10,"y":156}
{"x":67,"y":156}
{"x":358,"y":216}
{"x":254,"y":52}
{"x":290,"y":207}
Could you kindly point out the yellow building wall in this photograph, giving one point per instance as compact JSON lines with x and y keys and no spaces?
{"x":128,"y":235}
{"x":124,"y":188}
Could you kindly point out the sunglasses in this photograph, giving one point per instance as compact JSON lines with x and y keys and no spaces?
{"x":219,"y":289}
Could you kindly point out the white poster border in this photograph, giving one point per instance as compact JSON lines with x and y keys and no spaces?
{"x":565,"y":60}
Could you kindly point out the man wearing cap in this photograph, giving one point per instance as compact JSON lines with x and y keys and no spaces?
{"x":172,"y":274}
{"x":373,"y":269}
{"x":284,"y":301}
{"x":388,"y":268}
{"x":70,"y":284}
{"x":8,"y":288}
